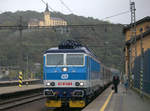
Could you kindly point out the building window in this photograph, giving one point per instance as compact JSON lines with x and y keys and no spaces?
{"x":141,"y":29}
{"x":147,"y":27}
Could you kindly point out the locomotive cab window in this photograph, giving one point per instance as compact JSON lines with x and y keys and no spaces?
{"x":75,"y":59}
{"x":55,"y":59}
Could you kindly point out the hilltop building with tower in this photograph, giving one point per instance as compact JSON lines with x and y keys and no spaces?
{"x":48,"y":20}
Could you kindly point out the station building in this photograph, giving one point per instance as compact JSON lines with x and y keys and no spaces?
{"x":137,"y":49}
{"x":47,"y":21}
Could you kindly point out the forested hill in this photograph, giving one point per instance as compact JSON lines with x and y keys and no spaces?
{"x":9,"y":18}
{"x":105,"y":40}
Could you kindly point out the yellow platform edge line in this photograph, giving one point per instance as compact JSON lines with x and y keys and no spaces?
{"x":106,"y":102}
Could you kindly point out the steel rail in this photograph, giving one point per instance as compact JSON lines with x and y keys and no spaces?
{"x":20,"y":101}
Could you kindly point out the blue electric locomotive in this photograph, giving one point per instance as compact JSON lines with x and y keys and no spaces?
{"x":72,"y":75}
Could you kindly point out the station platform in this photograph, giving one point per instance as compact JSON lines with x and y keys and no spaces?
{"x":15,"y":82}
{"x":13,"y":89}
{"x":121,"y":101}
{"x":5,"y":82}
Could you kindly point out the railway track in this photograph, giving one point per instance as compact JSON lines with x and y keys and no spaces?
{"x":32,"y":102}
{"x":10,"y":103}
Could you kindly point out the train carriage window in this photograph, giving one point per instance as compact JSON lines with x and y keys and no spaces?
{"x":75,"y":59}
{"x":55,"y":59}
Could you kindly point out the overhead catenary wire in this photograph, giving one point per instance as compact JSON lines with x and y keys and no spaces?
{"x":50,"y":8}
{"x":48,"y":5}
{"x":75,"y":26}
{"x":71,"y":26}
{"x":62,"y":2}
{"x":118,"y":14}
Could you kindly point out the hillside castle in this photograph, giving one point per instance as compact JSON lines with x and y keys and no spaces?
{"x":48,"y":20}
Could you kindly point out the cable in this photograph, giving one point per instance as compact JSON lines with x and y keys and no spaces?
{"x":116,"y":15}
{"x":65,"y":6}
{"x":48,"y":5}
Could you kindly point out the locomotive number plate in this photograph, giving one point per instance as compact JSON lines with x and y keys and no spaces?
{"x":64,"y":83}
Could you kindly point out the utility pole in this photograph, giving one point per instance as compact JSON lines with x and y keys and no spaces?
{"x":20,"y":47}
{"x":133,"y":42}
{"x":27,"y":67}
{"x":105,"y":53}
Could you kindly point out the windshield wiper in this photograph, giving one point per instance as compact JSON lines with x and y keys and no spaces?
{"x":57,"y":65}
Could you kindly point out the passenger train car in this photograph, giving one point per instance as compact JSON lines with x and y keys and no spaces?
{"x":72,"y":75}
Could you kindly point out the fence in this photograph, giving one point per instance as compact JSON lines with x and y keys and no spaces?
{"x":146,"y":73}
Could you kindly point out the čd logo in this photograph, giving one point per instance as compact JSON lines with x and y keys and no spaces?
{"x":64,"y":76}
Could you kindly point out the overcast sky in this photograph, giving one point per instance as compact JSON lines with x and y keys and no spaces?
{"x":89,"y":8}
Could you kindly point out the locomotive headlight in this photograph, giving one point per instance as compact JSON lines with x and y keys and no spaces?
{"x":47,"y":83}
{"x":64,"y":69}
{"x":81,"y":83}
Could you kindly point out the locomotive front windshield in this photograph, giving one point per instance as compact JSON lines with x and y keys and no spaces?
{"x":75,"y":59}
{"x":55,"y":59}
{"x":64,"y":59}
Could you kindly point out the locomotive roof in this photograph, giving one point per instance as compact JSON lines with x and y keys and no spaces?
{"x":76,"y":50}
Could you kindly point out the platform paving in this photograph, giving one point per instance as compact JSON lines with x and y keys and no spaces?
{"x":4,"y":82}
{"x":12,"y":89}
{"x":121,"y":101}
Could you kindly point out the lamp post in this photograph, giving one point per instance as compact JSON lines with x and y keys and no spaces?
{"x":105,"y":46}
